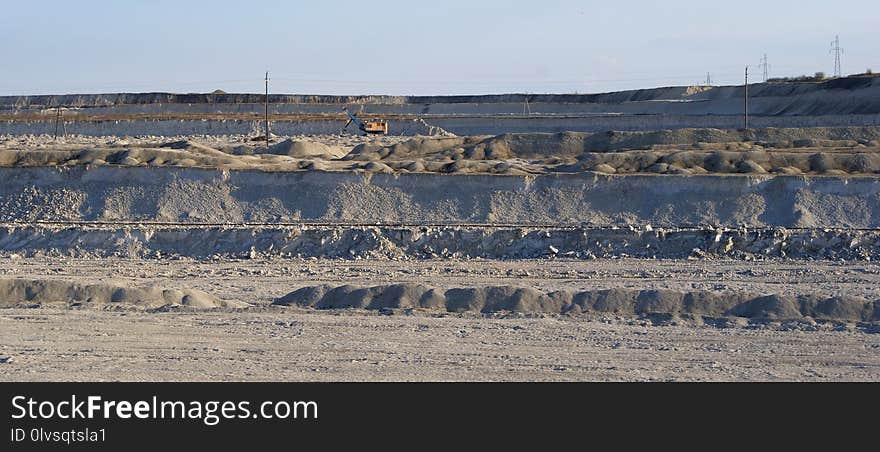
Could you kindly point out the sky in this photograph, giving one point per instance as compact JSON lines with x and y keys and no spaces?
{"x":421,"y":48}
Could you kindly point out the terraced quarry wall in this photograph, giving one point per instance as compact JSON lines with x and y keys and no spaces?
{"x":468,"y":125}
{"x":193,"y":195}
{"x":850,"y":101}
{"x":848,"y":95}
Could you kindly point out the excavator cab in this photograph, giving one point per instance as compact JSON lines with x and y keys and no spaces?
{"x":376,"y":127}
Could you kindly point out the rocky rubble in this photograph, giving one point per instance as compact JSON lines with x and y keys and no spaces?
{"x":431,"y":242}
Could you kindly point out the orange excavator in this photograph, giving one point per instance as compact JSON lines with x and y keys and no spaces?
{"x":370,"y":127}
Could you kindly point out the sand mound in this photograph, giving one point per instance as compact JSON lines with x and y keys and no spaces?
{"x":797,"y":151}
{"x":626,"y":302}
{"x":856,"y":161}
{"x":304,"y":149}
{"x":573,"y":144}
{"x":845,"y":150}
{"x":184,"y":156}
{"x":412,"y":148}
{"x":28,"y":292}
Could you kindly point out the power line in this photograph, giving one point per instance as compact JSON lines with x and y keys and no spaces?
{"x":836,"y":51}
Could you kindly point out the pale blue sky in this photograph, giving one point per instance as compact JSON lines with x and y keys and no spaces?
{"x":414,"y":47}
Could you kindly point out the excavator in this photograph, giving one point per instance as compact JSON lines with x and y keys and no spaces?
{"x":369,"y":127}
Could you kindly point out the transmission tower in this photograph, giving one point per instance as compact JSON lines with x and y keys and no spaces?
{"x":708,"y":79}
{"x":836,"y":51}
{"x":765,"y":67}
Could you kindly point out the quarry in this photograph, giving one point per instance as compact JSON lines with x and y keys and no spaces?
{"x":636,"y":235}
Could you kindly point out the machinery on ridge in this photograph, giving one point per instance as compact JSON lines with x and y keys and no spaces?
{"x":369,"y":127}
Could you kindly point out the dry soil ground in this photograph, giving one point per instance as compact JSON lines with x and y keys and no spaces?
{"x":275,"y":343}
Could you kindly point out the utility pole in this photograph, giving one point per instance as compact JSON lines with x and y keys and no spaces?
{"x":766,"y":66}
{"x":57,"y":120}
{"x":746,"y":117}
{"x":836,"y":51}
{"x":267,"y":109}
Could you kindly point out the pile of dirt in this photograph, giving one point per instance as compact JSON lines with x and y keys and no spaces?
{"x":825,"y":151}
{"x":288,"y":155}
{"x":184,"y":156}
{"x":619,"y":301}
{"x":574,"y":144}
{"x":864,"y":161}
{"x":418,"y":147}
{"x":38,"y":293}
{"x":302,"y":149}
{"x":821,"y":151}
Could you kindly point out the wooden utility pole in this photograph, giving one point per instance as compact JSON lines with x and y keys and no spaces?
{"x":267,"y":109}
{"x":57,"y":120}
{"x":746,"y":116}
